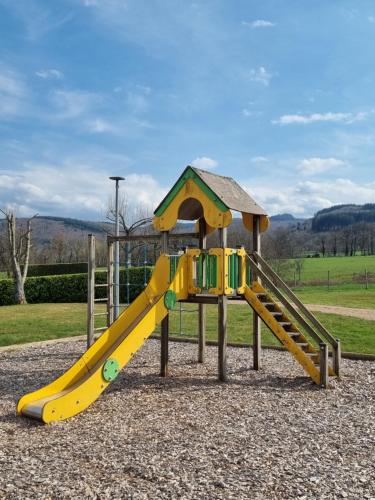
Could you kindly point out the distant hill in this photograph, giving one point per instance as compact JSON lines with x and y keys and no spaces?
{"x":283,"y":217}
{"x":46,"y":228}
{"x":340,"y":216}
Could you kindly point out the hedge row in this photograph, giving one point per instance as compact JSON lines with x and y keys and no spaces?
{"x":56,"y":269}
{"x":72,"y":287}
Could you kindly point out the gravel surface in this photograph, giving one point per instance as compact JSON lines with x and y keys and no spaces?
{"x":268,"y":434}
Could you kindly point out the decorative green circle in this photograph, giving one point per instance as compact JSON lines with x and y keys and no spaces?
{"x":111,"y":369}
{"x":170,"y":299}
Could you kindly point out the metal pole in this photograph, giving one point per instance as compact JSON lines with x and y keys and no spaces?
{"x":116,"y":281}
{"x":90,"y":290}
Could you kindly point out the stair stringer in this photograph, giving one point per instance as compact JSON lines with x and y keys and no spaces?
{"x":281,"y":334}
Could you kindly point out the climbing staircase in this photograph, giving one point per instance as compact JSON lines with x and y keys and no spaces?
{"x":297,"y":329}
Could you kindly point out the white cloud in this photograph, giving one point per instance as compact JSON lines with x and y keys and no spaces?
{"x":312,"y":166}
{"x":13,"y":93}
{"x":73,"y":103}
{"x":248,"y":112}
{"x":50,"y":74}
{"x":259,"y":23}
{"x":204,"y":162}
{"x":73,"y":189}
{"x":307,"y":197}
{"x":346,"y":118}
{"x":99,"y":126}
{"x":259,"y":159}
{"x":260,"y":75}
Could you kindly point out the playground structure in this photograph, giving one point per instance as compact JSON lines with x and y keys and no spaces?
{"x":202,"y":276}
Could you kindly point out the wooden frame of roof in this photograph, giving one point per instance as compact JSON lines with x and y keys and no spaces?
{"x":198,"y":193}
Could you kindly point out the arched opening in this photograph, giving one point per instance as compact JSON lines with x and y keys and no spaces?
{"x":190,"y":209}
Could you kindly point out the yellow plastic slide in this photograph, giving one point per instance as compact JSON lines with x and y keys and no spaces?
{"x":83,"y":383}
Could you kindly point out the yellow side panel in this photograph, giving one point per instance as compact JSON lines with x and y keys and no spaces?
{"x":248,"y":222}
{"x":82,"y":384}
{"x":213,"y":216}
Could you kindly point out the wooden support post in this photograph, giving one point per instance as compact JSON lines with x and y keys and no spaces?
{"x":323,"y":362}
{"x":222,"y":321}
{"x":257,"y":345}
{"x":202,"y":307}
{"x":110,"y":283}
{"x":90,"y":289}
{"x":164,"y":337}
{"x":336,"y":358}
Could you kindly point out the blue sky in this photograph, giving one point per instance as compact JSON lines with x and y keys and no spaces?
{"x":278,"y":95}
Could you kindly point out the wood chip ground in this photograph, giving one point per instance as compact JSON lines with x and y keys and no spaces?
{"x":264,"y":435}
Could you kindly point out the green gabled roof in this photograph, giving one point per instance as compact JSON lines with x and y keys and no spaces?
{"x":223,"y":191}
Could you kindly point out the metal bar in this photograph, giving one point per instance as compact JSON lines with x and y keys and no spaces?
{"x":296,"y":300}
{"x":98,"y":285}
{"x":257,"y":341}
{"x":90,"y":289}
{"x":222,"y":320}
{"x":101,"y":329}
{"x":164,"y":327}
{"x":101,"y":314}
{"x":323,"y":364}
{"x":101,"y":300}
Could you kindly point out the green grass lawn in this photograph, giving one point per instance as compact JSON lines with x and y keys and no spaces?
{"x":342,"y":269}
{"x":345,"y":295}
{"x":20,"y":324}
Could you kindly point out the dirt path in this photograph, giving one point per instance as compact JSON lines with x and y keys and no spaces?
{"x":354,"y":312}
{"x":368,"y":314}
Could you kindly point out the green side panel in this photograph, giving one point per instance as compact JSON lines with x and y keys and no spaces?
{"x":248,"y":273}
{"x":211,"y":271}
{"x":200,"y":271}
{"x":111,"y":369}
{"x":170,"y":299}
{"x":189,"y":174}
{"x":236,"y":271}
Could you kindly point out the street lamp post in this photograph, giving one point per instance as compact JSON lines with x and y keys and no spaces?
{"x":116,"y":277}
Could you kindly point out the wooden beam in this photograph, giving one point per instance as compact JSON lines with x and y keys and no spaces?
{"x":153,"y":237}
{"x":202,"y":306}
{"x":256,"y":319}
{"x":164,"y":354}
{"x":201,"y":299}
{"x":323,"y":364}
{"x":110,"y":284}
{"x":222,"y":321}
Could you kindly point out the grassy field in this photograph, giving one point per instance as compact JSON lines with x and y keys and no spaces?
{"x":345,"y":295}
{"x":341,"y":269}
{"x":34,"y":322}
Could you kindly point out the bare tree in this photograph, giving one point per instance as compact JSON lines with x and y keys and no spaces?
{"x":18,"y":247}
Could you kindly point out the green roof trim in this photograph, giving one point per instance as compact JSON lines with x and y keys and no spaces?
{"x":186,"y":175}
